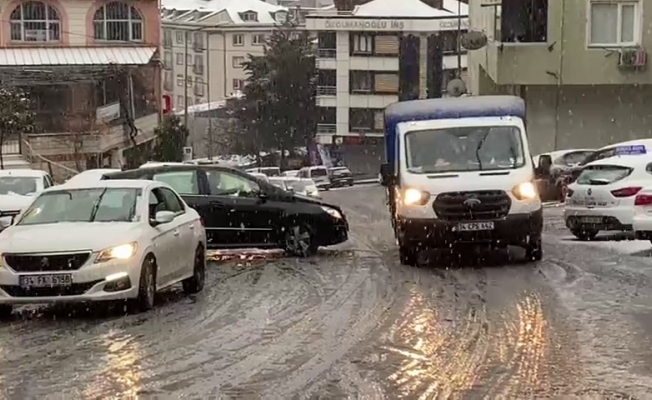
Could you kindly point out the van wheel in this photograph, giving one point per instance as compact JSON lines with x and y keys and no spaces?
{"x":534,"y":250}
{"x":6,"y":310}
{"x":584,"y":234}
{"x":409,"y":255}
{"x":299,"y":241}
{"x":195,"y":283}
{"x":146,"y":287}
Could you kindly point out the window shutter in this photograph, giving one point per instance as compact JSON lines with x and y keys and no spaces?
{"x":386,"y":83}
{"x":387,"y":45}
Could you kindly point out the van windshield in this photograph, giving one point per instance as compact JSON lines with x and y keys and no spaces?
{"x":476,"y":148}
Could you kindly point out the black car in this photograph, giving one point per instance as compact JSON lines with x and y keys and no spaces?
{"x":240,"y":210}
{"x":340,"y":176}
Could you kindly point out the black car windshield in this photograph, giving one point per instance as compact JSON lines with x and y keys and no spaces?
{"x":23,"y":185}
{"x":462,"y":149}
{"x":83,"y":205}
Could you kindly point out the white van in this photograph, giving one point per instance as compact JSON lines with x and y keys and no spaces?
{"x":319,"y":174}
{"x":18,"y":188}
{"x":459,"y":170}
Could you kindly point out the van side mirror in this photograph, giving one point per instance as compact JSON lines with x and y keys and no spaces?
{"x":387,"y":174}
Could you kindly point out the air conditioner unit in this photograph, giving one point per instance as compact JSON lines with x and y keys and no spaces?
{"x":632,"y":58}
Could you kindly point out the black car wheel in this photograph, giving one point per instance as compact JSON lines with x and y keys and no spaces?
{"x":299,"y":241}
{"x":147,"y":286}
{"x":534,"y":250}
{"x":408,"y":255}
{"x":195,"y":283}
{"x":584,"y":234}
{"x":6,"y":310}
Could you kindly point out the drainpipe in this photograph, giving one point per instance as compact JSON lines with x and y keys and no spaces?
{"x":560,"y":74}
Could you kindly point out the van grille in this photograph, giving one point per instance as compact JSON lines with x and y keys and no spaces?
{"x":490,"y":205}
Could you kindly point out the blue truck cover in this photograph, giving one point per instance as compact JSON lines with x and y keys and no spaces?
{"x":448,"y":108}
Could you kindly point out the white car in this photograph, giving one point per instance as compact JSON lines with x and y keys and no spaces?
{"x":305,"y":187}
{"x":18,"y":188}
{"x":268,"y":171}
{"x":259,"y":175}
{"x":291,"y":173}
{"x":90,"y":175}
{"x":319,"y":175}
{"x":106,"y":240}
{"x":603,"y":197}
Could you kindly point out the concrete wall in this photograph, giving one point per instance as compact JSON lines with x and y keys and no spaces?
{"x":566,"y":54}
{"x":587,"y":116}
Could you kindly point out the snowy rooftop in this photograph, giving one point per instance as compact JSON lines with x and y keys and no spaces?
{"x":408,"y":8}
{"x":198,"y":10}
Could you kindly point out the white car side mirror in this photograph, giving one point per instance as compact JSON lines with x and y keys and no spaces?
{"x":164,"y":217}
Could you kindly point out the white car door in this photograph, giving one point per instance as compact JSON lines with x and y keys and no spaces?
{"x":165,"y":239}
{"x":184,"y":233}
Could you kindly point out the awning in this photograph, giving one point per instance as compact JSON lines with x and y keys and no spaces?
{"x":82,"y":56}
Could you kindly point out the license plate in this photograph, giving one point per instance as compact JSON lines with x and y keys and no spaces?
{"x":51,"y":280}
{"x":592,"y":220}
{"x":474,"y":226}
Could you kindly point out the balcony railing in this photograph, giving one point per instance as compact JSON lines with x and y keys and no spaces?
{"x":199,"y":90}
{"x":11,"y":146}
{"x":326,"y":53}
{"x":326,"y":90}
{"x":198,"y":46}
{"x":198,"y":69}
{"x":326,"y":128}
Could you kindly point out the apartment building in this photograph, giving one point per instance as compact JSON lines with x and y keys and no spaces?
{"x":204,"y":47}
{"x":378,"y":53}
{"x":581,"y":66}
{"x":91,"y":70}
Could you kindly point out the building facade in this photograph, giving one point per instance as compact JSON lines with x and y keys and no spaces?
{"x":91,"y":70}
{"x":580,"y":65}
{"x":376,"y":54}
{"x":204,"y":48}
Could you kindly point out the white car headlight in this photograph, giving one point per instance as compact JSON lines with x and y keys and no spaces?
{"x":122,"y":252}
{"x":333,"y":212}
{"x":525,"y":191}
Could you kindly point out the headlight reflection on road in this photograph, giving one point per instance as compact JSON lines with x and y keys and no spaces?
{"x":243,"y":254}
{"x":121,"y":373}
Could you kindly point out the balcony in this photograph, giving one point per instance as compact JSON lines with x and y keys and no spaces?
{"x":167,"y":44}
{"x":327,"y":53}
{"x":326,"y":128}
{"x":198,"y":46}
{"x":198,"y":69}
{"x":326,"y":91}
{"x":198,"y":90}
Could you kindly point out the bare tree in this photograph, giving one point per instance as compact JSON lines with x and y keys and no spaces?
{"x":16,"y":117}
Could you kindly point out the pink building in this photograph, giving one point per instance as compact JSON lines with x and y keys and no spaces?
{"x":92,"y":71}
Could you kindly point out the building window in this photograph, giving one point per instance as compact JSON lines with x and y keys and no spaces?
{"x":199,"y":41}
{"x":362,"y":44}
{"x":35,"y":21}
{"x":180,"y":37}
{"x":167,"y":60}
{"x":199,"y":87}
{"x":238,"y":84}
{"x":189,"y":81}
{"x":167,"y":81}
{"x":249,"y":16}
{"x":118,"y":22}
{"x":238,"y":61}
{"x":259,"y":39}
{"x":198,"y":67}
{"x":167,"y":38}
{"x":189,"y":59}
{"x":180,"y":80}
{"x":238,"y":40}
{"x":361,"y":82}
{"x":179,"y":58}
{"x":614,"y":23}
{"x":180,"y":101}
{"x":189,"y":101}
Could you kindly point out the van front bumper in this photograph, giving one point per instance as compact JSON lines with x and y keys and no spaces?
{"x":514,"y":229}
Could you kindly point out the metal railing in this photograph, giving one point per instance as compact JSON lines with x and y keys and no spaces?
{"x":326,"y":53}
{"x":11,"y":146}
{"x":326,"y":90}
{"x":326,"y":128}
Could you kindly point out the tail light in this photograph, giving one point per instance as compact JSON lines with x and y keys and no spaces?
{"x":643,"y":200}
{"x":626,"y":192}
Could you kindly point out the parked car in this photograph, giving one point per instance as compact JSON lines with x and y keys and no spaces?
{"x":241,"y":211}
{"x":604,"y":195}
{"x":90,"y":175}
{"x":103,"y":240}
{"x":18,"y":188}
{"x":260,"y":176}
{"x":340,"y":176}
{"x":279,"y":182}
{"x":304,"y":187}
{"x":319,"y":174}
{"x":269,"y":171}
{"x":553,"y":167}
{"x":293,"y":173}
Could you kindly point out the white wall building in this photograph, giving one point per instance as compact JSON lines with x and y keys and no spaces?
{"x":379,"y":53}
{"x":210,"y":39}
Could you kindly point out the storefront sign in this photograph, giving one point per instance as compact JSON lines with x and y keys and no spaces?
{"x":362,"y":25}
{"x":446,"y":24}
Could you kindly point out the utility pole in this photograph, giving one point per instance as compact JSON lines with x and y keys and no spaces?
{"x":185,"y":84}
{"x":459,"y":39}
{"x":208,"y":96}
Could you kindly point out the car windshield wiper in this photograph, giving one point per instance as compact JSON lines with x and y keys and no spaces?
{"x":96,"y":206}
{"x":477,"y":150}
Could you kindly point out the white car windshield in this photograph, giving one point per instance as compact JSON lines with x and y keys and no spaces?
{"x":83,"y":205}
{"x":459,"y":149}
{"x":23,"y":185}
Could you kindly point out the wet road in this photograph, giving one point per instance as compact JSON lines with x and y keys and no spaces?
{"x":353,"y":322}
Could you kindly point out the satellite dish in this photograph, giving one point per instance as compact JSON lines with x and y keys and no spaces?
{"x":456,"y":87}
{"x":473,"y":40}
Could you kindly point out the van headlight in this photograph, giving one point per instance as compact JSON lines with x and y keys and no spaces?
{"x":415,"y":197}
{"x":122,"y":252}
{"x":525,"y":191}
{"x":332,"y":212}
